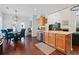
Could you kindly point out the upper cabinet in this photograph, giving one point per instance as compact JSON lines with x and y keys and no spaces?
{"x":42,"y":20}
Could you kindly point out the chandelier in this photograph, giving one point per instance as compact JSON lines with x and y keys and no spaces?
{"x":15,"y":17}
{"x":75,"y":9}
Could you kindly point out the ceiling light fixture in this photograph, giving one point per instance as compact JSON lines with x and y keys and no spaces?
{"x":7,"y":8}
{"x":15,"y":17}
{"x":75,"y":9}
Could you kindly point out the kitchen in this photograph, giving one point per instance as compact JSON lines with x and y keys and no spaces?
{"x":57,"y":30}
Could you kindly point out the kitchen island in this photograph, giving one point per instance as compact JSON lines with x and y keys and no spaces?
{"x":60,"y":40}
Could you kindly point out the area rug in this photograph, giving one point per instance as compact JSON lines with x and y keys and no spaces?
{"x":45,"y":48}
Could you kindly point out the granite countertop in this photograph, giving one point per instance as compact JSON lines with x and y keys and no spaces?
{"x":59,"y":32}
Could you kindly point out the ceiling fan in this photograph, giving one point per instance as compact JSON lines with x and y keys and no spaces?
{"x":75,"y":9}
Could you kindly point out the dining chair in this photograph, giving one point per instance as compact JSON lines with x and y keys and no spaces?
{"x":21,"y":34}
{"x":8,"y":36}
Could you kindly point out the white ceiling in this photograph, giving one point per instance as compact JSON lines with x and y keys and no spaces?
{"x":29,"y":9}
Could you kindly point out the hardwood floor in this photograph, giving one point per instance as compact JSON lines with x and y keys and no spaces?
{"x":27,"y":47}
{"x":75,"y":50}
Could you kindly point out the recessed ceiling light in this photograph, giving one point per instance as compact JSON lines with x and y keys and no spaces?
{"x":35,"y":9}
{"x":7,"y":7}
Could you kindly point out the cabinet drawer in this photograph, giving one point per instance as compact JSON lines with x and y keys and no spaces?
{"x":60,"y":36}
{"x":51,"y":35}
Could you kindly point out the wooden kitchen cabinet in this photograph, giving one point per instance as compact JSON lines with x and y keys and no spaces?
{"x":42,"y":21}
{"x":63,"y":43}
{"x":60,"y":41}
{"x":46,"y":37}
{"x":51,"y":37}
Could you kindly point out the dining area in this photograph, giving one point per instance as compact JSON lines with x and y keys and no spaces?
{"x":9,"y":39}
{"x":17,"y":42}
{"x":9,"y":34}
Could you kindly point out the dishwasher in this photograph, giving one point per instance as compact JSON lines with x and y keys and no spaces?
{"x":41,"y":36}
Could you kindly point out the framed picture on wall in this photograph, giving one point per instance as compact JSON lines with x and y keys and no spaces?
{"x":65,"y":24}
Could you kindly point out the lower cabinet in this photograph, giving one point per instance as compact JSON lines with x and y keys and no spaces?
{"x":61,"y":42}
{"x":51,"y":39}
{"x":64,"y":43}
{"x":46,"y":37}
